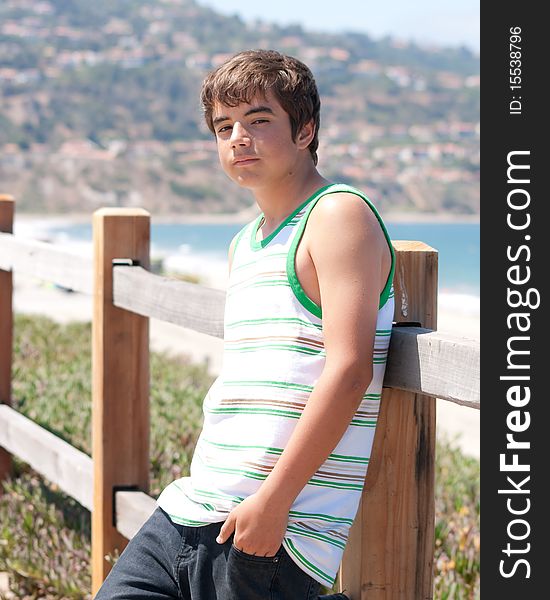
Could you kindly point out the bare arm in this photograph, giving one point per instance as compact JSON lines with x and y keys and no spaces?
{"x":348,"y":250}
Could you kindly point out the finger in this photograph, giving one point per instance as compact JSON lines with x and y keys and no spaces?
{"x":227,"y":529}
{"x":272,"y":553}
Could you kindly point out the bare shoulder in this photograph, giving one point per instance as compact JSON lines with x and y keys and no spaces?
{"x":344,"y":214}
{"x":346,"y":239}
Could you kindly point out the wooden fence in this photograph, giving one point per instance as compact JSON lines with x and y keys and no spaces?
{"x":390,"y":550}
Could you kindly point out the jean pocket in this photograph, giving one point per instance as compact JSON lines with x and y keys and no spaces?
{"x":254,"y":557}
{"x":292,"y":583}
{"x":250,"y":577}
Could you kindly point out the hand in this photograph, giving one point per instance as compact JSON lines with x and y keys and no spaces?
{"x":259,"y":528}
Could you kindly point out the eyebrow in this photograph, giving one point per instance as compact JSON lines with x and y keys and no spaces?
{"x":252,"y":111}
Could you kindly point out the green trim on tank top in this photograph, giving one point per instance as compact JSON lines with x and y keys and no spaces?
{"x":299,"y":292}
{"x":258,"y":245}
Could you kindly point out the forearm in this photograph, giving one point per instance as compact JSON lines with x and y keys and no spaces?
{"x":326,"y":416}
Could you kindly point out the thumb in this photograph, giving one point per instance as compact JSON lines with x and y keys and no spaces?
{"x":227,"y":529}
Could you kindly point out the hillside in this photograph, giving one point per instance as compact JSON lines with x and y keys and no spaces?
{"x":99,"y":107}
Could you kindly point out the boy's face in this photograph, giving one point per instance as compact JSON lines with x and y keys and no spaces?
{"x":255,"y":142}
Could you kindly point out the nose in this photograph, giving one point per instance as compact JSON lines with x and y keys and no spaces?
{"x":239,"y":135}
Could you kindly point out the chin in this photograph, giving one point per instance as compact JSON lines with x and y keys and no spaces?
{"x":248,"y":183}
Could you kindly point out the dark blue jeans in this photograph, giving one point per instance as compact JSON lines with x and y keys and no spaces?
{"x":164,"y":560}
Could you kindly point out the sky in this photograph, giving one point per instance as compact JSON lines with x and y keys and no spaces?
{"x":440,"y":22}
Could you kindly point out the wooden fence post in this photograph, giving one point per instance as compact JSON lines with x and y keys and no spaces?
{"x":7,"y":206}
{"x":120,"y":380}
{"x":389,"y":555}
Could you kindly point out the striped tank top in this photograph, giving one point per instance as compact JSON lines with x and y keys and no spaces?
{"x":273,"y":356}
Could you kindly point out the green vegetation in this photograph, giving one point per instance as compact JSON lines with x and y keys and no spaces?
{"x":45,"y":535}
{"x":135,"y":81}
{"x":457,"y":535}
{"x":125,"y":76}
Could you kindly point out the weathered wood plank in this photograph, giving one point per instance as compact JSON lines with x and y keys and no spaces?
{"x":132,"y":509}
{"x":187,"y":304}
{"x":435,"y":364}
{"x":48,"y":454}
{"x":46,"y":261}
{"x":7,"y":208}
{"x":397,"y":544}
{"x":120,"y":380}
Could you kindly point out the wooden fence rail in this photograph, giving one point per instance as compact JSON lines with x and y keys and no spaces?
{"x":390,"y":550}
{"x":45,"y":261}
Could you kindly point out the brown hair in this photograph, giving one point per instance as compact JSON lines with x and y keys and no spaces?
{"x":253,"y":72}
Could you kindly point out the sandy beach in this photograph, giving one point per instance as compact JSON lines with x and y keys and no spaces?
{"x":33,"y":296}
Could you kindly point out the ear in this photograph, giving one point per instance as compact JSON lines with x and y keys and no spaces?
{"x":306,"y":134}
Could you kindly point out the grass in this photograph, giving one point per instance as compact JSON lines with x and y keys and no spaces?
{"x":45,"y":535}
{"x":457,"y":541}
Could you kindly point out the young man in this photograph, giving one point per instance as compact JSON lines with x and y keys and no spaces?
{"x":278,"y":470}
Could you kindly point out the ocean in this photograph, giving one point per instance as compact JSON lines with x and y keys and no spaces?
{"x":201,"y":248}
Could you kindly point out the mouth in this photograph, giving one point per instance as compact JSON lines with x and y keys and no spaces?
{"x":242,"y":161}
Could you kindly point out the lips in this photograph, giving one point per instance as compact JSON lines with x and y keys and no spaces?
{"x":244,"y":160}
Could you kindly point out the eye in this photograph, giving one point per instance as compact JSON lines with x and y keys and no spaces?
{"x":224,"y":129}
{"x":258,"y":121}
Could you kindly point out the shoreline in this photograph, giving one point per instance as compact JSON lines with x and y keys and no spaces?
{"x":241,"y":217}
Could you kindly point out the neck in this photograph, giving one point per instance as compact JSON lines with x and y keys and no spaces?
{"x":276,"y":203}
